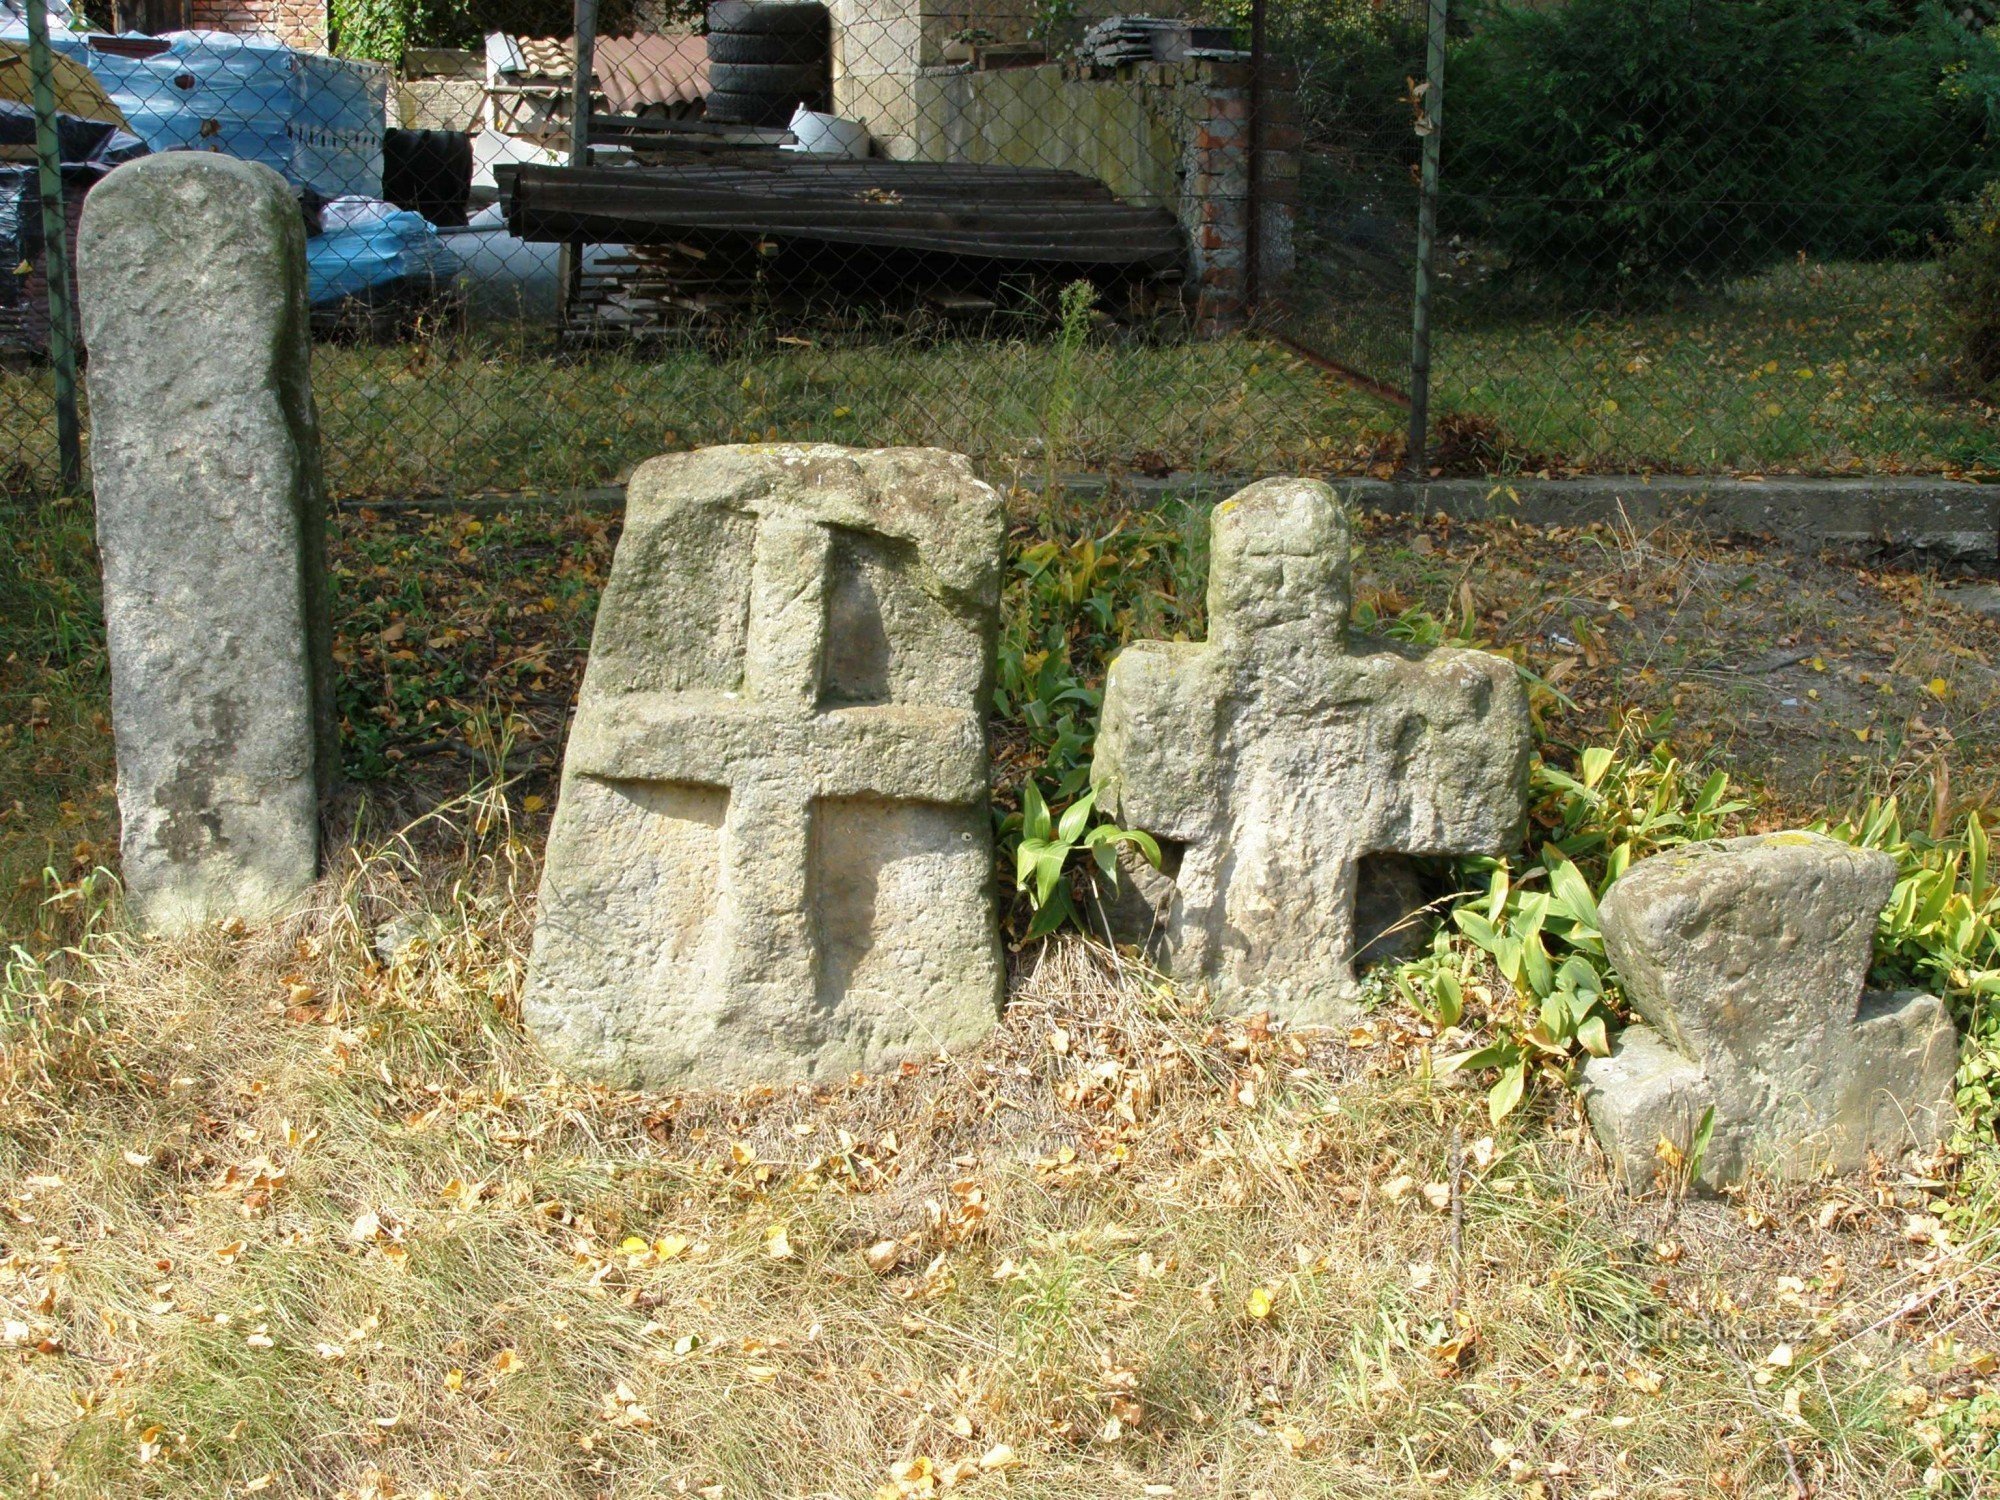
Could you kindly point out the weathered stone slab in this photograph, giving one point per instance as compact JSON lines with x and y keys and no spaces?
{"x":210,"y":516}
{"x":772,"y":857}
{"x":1275,"y":760}
{"x":1748,"y":959}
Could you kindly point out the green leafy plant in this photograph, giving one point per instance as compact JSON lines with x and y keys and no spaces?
{"x":1055,"y":24}
{"x":1560,"y":1000}
{"x":1941,"y":932}
{"x":1539,"y":928}
{"x":1059,"y":405}
{"x":1072,"y":602}
{"x":1042,"y":858}
{"x":385,"y":29}
{"x":1354,"y":61}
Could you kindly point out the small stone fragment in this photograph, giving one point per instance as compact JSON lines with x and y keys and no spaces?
{"x":1748,"y":959}
{"x":1276,"y":762}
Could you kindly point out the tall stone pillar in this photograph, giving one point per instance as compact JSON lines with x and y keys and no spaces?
{"x":210,"y":520}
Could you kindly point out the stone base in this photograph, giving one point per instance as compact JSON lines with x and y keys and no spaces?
{"x":1895,"y":1097}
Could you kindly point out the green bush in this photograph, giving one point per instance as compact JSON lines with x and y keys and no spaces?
{"x":1354,"y":60}
{"x":1972,"y":289}
{"x":1629,"y":143}
{"x":385,"y":29}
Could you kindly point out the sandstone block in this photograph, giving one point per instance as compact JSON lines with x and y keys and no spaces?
{"x":210,"y":517}
{"x":772,"y":857}
{"x":1748,"y":959}
{"x":1277,"y":759}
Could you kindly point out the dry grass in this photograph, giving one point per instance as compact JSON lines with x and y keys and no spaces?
{"x":276,"y":1204}
{"x":282,"y":1212}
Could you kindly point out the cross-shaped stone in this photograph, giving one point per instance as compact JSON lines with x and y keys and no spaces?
{"x":1748,"y":959}
{"x":1274,"y":758}
{"x":772,"y":856}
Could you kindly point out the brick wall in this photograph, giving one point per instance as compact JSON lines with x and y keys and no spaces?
{"x":296,"y":23}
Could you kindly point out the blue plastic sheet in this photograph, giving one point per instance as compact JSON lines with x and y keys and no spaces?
{"x":318,"y":120}
{"x":368,"y":246}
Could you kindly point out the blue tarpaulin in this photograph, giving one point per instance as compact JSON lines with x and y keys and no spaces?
{"x":367,"y":245}
{"x":317,"y":120}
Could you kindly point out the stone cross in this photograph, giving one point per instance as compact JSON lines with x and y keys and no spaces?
{"x":772,"y":853}
{"x":1274,"y":759}
{"x":210,"y":520}
{"x":1748,"y":959}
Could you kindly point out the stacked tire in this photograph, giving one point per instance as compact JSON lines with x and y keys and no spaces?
{"x":429,"y":172}
{"x":766,"y":58}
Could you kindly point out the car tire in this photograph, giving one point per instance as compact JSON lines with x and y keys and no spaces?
{"x":768,"y":18}
{"x":738,"y":47}
{"x":753,"y":109}
{"x":794,"y":81}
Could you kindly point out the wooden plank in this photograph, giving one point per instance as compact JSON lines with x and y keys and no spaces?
{"x":1038,"y":215}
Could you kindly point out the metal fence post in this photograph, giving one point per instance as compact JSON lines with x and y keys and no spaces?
{"x":1431,"y":127}
{"x":55,"y":246}
{"x":1253,"y":206}
{"x":570,"y":269}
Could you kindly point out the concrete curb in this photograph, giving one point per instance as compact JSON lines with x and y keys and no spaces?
{"x":1951,"y":519}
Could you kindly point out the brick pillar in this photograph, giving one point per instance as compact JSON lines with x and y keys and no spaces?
{"x":1215,"y":191}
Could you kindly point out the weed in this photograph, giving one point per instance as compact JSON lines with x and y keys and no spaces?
{"x":1042,"y":855}
{"x":1060,"y":405}
{"x":1941,"y":932}
{"x":1590,"y":827}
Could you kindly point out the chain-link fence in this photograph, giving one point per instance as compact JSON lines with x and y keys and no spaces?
{"x":1696,"y":234}
{"x":1706,"y":235}
{"x":1018,"y":230}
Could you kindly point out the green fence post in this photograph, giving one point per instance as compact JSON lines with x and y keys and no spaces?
{"x":55,"y":246}
{"x":1431,"y":127}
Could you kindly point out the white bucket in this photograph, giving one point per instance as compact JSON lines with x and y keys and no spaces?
{"x":827,"y":135}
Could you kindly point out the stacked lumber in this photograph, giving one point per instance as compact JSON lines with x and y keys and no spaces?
{"x":1138,"y":39}
{"x":1022,"y":215}
{"x":1124,"y":39}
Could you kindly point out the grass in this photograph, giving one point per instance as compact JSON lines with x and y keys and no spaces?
{"x":1836,"y":367}
{"x":299,"y":1211}
{"x":493,"y":410}
{"x":1818,"y":368}
{"x":288,"y":1215}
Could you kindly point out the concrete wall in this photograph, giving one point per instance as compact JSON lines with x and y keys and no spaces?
{"x":1175,"y":135}
{"x":440,"y":103}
